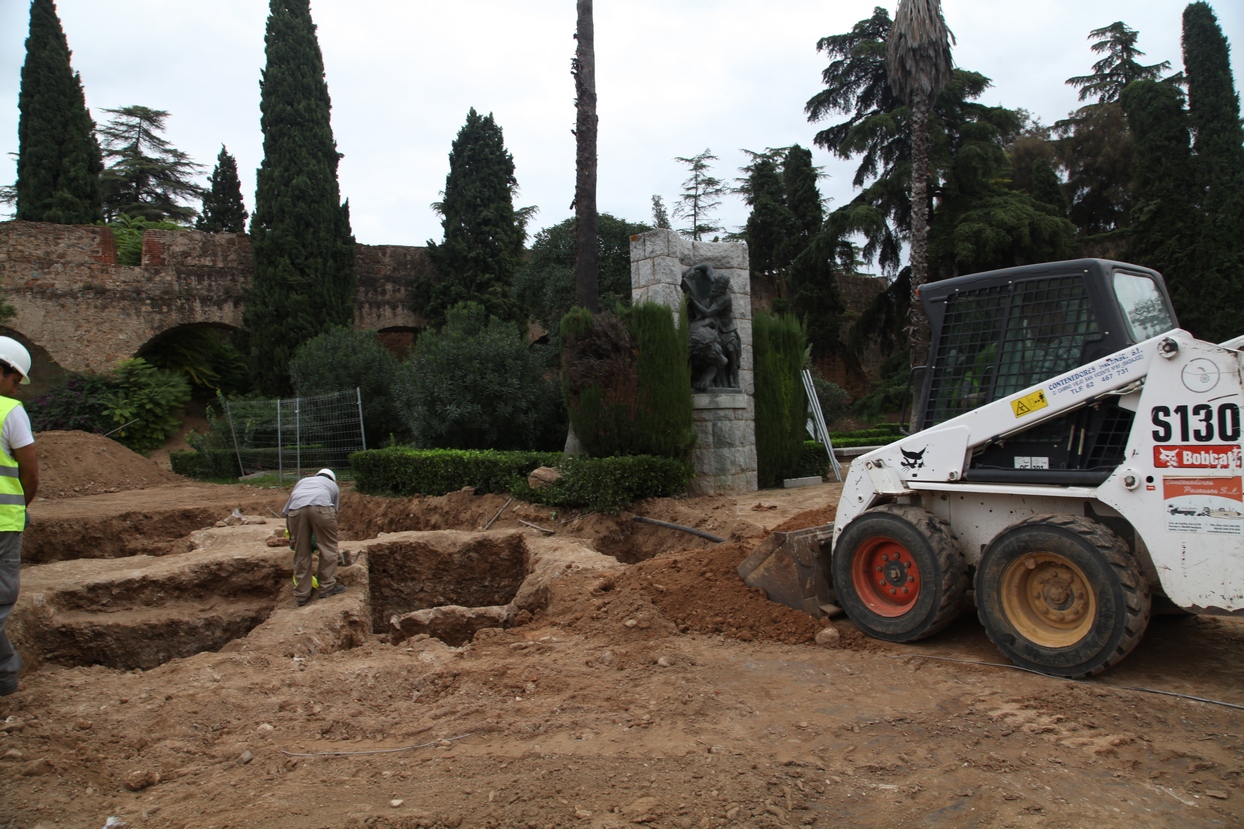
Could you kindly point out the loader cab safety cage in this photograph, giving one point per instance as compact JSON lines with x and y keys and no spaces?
{"x":998,"y":332}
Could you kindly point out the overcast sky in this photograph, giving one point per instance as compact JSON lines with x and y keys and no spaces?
{"x":674,"y":77}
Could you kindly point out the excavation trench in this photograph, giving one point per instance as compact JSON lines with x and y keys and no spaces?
{"x":138,"y":589}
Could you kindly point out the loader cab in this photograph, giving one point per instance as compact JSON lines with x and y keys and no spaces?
{"x":998,"y":332}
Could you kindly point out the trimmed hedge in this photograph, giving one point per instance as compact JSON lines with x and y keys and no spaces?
{"x":206,"y":465}
{"x":403,"y":471}
{"x":610,"y":484}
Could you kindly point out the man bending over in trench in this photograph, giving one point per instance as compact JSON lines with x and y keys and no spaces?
{"x":19,"y":481}
{"x":312,"y":508}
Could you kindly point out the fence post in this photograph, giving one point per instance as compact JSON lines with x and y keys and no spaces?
{"x":358,"y":393}
{"x":236,"y":449}
{"x":280,"y":447}
{"x":298,"y":434}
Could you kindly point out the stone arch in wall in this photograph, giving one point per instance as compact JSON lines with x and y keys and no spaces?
{"x":87,"y":313}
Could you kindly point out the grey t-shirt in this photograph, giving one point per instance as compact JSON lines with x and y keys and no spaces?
{"x":316,"y":491}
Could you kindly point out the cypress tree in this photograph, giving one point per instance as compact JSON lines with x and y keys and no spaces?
{"x":58,"y":158}
{"x":769,"y":223}
{"x":781,"y":403}
{"x":223,"y":209}
{"x":1163,"y":233}
{"x":304,"y":250}
{"x":1218,"y":162}
{"x":484,"y":234}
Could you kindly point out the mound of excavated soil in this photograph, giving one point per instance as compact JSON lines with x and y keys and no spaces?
{"x":72,"y":464}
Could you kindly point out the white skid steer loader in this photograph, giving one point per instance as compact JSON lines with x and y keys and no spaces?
{"x":1078,"y":456}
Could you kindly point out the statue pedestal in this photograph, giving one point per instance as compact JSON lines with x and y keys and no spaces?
{"x":725,"y":449}
{"x":724,"y":419}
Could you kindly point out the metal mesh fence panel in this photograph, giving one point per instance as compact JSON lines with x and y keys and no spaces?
{"x":297,"y":435}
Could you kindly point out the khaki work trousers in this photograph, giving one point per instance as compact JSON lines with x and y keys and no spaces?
{"x":301,"y":523}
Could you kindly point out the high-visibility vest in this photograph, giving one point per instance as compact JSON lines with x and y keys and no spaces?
{"x":12,"y":498}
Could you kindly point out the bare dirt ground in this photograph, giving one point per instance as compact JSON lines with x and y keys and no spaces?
{"x":172,"y":682}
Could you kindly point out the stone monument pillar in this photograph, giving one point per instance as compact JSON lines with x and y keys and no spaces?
{"x":724,"y":418}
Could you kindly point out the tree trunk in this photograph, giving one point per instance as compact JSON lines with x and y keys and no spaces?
{"x":587,"y":282}
{"x":917,"y":322}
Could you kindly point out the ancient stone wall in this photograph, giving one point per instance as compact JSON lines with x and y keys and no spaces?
{"x":88,"y":313}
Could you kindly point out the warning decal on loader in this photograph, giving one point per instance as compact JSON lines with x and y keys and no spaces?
{"x":1029,"y":403}
{"x":1204,"y":505}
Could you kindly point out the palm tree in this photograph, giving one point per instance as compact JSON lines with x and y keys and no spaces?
{"x":587,"y":283}
{"x":919,"y":65}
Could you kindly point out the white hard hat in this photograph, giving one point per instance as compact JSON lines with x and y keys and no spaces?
{"x":327,"y":473}
{"x":16,"y":355}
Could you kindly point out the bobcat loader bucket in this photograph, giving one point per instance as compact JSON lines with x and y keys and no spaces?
{"x":787,"y":567}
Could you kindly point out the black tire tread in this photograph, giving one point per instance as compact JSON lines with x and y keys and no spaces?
{"x":1138,"y":600}
{"x":950,"y":558}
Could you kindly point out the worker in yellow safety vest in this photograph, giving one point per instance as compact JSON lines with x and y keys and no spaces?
{"x":19,"y":481}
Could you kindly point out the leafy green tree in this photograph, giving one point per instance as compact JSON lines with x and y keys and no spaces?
{"x":545,"y":286}
{"x":204,"y":356}
{"x":1164,"y":222}
{"x":58,"y":158}
{"x":146,"y":177}
{"x":484,"y":233}
{"x":223,"y":209}
{"x":476,"y":384}
{"x":1218,"y":148}
{"x":342,"y":358}
{"x":701,"y":195}
{"x":1095,"y":147}
{"x":300,"y":232}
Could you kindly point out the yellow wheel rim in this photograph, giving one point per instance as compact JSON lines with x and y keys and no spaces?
{"x":1048,"y":599}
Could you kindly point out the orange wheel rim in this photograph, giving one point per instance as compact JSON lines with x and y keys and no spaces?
{"x":885,"y":576}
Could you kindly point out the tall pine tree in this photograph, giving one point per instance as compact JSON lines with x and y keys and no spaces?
{"x":223,"y":209}
{"x":1218,"y":148}
{"x":146,"y":177}
{"x":484,"y":234}
{"x":304,"y":250}
{"x":58,"y":158}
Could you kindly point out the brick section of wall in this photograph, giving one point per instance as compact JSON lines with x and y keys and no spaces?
{"x":88,"y":313}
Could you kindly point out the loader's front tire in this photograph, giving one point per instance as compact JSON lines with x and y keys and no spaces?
{"x":900,"y":573}
{"x":1062,"y":595}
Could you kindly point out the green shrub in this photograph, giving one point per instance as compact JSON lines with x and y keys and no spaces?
{"x":137,"y":404}
{"x":778,"y":344}
{"x":610,"y":484}
{"x":77,"y":403}
{"x":146,"y":404}
{"x":476,"y":384}
{"x":833,"y":398}
{"x":128,"y":233}
{"x":342,"y":358}
{"x":208,"y":465}
{"x":813,"y":460}
{"x":627,"y":381}
{"x":404,"y":471}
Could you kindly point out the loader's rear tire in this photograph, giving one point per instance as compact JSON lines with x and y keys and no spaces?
{"x":900,"y":573}
{"x":1063,"y":595}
